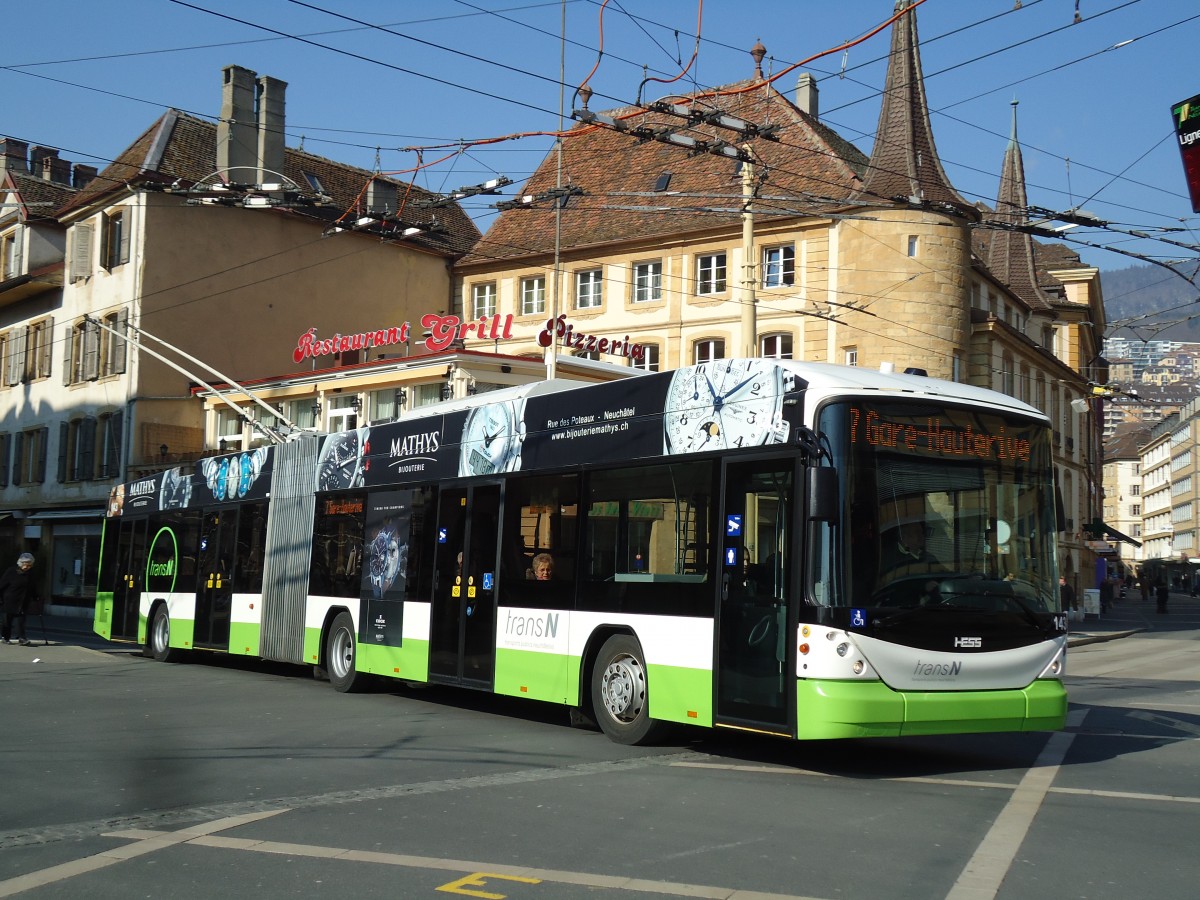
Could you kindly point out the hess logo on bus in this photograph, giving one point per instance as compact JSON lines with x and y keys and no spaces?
{"x":968,"y":643}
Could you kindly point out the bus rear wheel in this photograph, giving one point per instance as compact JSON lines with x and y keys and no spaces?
{"x":340,"y":652}
{"x":159,"y":640}
{"x":620,"y":693}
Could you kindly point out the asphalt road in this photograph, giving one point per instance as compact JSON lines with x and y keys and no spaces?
{"x":129,"y":778}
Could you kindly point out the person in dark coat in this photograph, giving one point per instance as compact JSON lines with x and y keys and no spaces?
{"x":16,"y":590}
{"x":1162,"y":594}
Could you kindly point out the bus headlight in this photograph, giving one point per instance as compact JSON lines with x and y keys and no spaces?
{"x":858,"y":667}
{"x":843,"y":648}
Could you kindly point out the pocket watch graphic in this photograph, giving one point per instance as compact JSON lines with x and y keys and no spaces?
{"x":725,"y":403}
{"x":341,"y":465}
{"x":491,"y":440}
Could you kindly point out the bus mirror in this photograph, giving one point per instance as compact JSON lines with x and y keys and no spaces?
{"x":822,"y":494}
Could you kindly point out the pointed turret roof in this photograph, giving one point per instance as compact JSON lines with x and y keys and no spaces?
{"x":1010,"y":252}
{"x":904,"y":160}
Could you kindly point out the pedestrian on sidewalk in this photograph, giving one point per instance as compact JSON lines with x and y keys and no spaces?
{"x":1106,"y":594}
{"x":1162,"y":592}
{"x":1066,"y":597}
{"x":16,"y":591}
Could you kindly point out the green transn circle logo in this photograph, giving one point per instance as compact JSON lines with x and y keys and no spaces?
{"x":162,"y":562}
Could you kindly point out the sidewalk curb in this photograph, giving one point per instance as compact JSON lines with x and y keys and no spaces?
{"x":1081,"y":639}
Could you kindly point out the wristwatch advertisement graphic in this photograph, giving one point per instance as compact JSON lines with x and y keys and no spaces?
{"x":492,"y":438}
{"x":725,"y":403}
{"x":341,"y":465}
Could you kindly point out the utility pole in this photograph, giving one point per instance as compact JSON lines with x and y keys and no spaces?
{"x":746,"y":296}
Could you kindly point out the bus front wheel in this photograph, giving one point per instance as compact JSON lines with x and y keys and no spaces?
{"x":160,"y":636}
{"x":620,"y":695}
{"x":340,"y":652}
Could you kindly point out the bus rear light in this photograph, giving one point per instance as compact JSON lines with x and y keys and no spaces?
{"x":805,"y":631}
{"x":843,"y":648}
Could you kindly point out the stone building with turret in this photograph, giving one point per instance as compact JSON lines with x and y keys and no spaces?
{"x":644,"y":229}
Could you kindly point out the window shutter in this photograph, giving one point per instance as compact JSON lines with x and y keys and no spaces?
{"x":4,"y":460}
{"x":87,"y":459}
{"x":119,"y":343}
{"x":18,"y":253}
{"x":69,"y":354}
{"x":126,"y":232}
{"x":91,"y":351}
{"x":116,"y":434}
{"x":43,"y":439}
{"x":16,"y":356}
{"x":64,"y":439}
{"x":106,"y":229}
{"x":81,"y":252}
{"x":47,"y":349}
{"x":18,"y":457}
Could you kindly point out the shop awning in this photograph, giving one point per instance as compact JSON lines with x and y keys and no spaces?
{"x":47,"y":514}
{"x":1101,"y":530}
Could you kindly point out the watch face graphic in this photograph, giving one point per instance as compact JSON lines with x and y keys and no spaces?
{"x":724,"y":404}
{"x":492,"y":439}
{"x":341,"y":465}
{"x":176,"y":490}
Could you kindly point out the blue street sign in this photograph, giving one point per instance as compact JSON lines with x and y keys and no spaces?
{"x":441,"y":535}
{"x":733,"y":526}
{"x":858,"y":617}
{"x":731,"y":556}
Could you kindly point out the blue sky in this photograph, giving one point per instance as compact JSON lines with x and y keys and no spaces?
{"x":1094,"y":96}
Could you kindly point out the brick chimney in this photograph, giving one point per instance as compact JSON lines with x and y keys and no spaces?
{"x":83,"y":175}
{"x":58,"y":170}
{"x":270,"y":128}
{"x":12,"y":155}
{"x":806,"y":94}
{"x":237,"y":147}
{"x":39,"y":161}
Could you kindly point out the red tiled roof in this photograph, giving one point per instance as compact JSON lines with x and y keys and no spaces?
{"x":809,"y":165}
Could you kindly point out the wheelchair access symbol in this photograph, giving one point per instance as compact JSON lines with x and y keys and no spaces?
{"x":858,"y":617}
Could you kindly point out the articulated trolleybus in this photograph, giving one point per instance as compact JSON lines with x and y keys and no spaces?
{"x":804,"y":550}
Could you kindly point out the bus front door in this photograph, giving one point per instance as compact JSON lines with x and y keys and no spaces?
{"x":214,"y":577}
{"x":753,"y":687}
{"x":129,"y":569}
{"x":463,"y":619}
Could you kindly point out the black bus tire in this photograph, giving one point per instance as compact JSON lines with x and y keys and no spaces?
{"x":158,"y":640}
{"x":341,"y":653}
{"x":620,"y":693}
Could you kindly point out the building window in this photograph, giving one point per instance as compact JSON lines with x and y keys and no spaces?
{"x":483,"y":300}
{"x":588,"y":289}
{"x":92,"y":352}
{"x":710,"y":273}
{"x":77,"y":450}
{"x":775,"y":346}
{"x":14,"y":356}
{"x":647,"y":282}
{"x":229,"y":430}
{"x":914,"y":245}
{"x":1135,"y":489}
{"x":779,"y":266}
{"x":956,"y":372}
{"x":4,"y":442}
{"x":649,"y":360}
{"x":39,"y":341}
{"x":708,"y":350}
{"x":10,"y":256}
{"x":533,"y":296}
{"x":1135,"y":509}
{"x":850,"y":356}
{"x":29,"y":456}
{"x":108,"y":444}
{"x":114,"y":249}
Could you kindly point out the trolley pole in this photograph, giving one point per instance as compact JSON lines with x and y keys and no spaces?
{"x":747,"y":296}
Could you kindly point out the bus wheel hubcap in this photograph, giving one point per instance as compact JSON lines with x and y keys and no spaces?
{"x":623,"y":688}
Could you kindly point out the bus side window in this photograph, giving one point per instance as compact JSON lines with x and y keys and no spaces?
{"x":541,"y":515}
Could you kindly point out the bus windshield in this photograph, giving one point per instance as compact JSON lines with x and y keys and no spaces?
{"x":940,"y":506}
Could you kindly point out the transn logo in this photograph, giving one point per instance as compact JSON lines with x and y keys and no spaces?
{"x":968,"y":642}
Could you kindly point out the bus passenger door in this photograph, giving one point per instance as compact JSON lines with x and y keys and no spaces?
{"x":214,"y":577}
{"x":463,"y":618}
{"x":129,"y":564}
{"x":754,"y":672}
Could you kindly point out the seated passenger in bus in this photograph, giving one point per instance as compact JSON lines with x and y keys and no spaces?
{"x":542,"y":568}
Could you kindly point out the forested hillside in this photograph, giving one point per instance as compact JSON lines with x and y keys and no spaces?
{"x":1141,"y":290}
